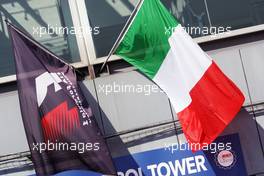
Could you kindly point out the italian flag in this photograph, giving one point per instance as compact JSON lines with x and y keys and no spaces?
{"x":204,"y":99}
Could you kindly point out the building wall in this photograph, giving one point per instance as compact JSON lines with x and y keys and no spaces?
{"x":117,"y":112}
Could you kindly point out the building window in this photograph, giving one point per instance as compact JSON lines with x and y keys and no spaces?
{"x":190,"y":13}
{"x":236,"y":13}
{"x":46,"y":21}
{"x":111,"y":15}
{"x":104,"y":19}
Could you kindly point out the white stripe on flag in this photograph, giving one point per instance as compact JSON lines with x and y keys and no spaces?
{"x":182,"y":68}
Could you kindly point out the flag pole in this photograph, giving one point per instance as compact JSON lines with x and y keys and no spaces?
{"x":42,"y":47}
{"x":122,"y":33}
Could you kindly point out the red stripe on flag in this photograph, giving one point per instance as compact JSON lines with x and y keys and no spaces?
{"x":215,"y":102}
{"x":60,"y":122}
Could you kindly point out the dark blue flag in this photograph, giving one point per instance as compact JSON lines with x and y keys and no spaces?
{"x":60,"y":127}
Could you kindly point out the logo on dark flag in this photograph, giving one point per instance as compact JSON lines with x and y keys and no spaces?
{"x":61,"y":120}
{"x":61,"y":130}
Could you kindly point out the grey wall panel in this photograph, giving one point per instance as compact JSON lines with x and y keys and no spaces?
{"x":12,"y":135}
{"x":253,"y":59}
{"x":135,"y":143}
{"x":88,"y":89}
{"x":230,"y":63}
{"x":244,"y":124}
{"x":181,"y":137}
{"x":120,"y":149}
{"x":174,"y":114}
{"x":128,"y":110}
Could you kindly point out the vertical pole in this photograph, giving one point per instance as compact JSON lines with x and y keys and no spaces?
{"x":122,"y":33}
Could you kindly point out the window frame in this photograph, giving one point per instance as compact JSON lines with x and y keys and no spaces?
{"x":93,"y":60}
{"x":80,"y":43}
{"x":86,"y":46}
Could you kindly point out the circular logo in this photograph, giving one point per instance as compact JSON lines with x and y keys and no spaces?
{"x":225,"y":159}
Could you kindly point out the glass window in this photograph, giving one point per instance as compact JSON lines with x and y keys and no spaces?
{"x":109,"y":16}
{"x":191,"y":14}
{"x":113,"y":14}
{"x":200,"y":17}
{"x":46,"y":21}
{"x":236,"y":13}
{"x":258,"y":10}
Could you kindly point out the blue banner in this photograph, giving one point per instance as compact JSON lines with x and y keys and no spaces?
{"x":223,"y":157}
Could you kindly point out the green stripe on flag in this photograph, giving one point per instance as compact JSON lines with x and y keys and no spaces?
{"x":145,"y":45}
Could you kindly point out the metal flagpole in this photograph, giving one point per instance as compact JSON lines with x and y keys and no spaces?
{"x":122,"y":33}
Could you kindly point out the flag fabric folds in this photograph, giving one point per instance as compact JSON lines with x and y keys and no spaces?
{"x":61,"y":130}
{"x":204,"y":99}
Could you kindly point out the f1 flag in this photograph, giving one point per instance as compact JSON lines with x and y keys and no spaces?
{"x":204,"y":99}
{"x":60,"y":127}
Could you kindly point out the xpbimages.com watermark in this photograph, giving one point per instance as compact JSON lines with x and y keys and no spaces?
{"x":59,"y":30}
{"x":212,"y":148}
{"x":212,"y":31}
{"x":79,"y":147}
{"x":145,"y":89}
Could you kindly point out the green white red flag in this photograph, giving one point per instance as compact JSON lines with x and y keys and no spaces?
{"x":204,"y":98}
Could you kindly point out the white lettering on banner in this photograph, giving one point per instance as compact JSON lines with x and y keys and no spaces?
{"x":177,"y":166}
{"x":185,"y":166}
{"x":163,"y":166}
{"x":131,"y":172}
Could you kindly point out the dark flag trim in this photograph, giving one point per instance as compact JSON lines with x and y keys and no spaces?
{"x":55,"y":112}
